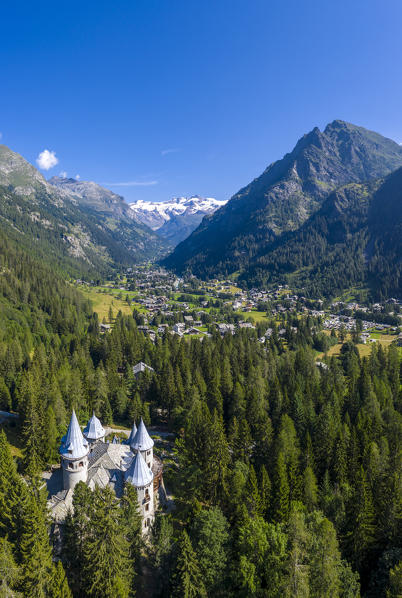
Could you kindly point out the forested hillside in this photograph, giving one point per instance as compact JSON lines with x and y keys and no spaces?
{"x":354,"y":239}
{"x":286,"y":479}
{"x":294,"y":195}
{"x":60,"y":226}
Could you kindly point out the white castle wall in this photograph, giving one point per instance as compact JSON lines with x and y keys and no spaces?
{"x":147,"y":505}
{"x":148,"y":457}
{"x":74,"y":472}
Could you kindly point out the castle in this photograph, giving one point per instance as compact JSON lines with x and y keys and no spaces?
{"x":87,"y":457}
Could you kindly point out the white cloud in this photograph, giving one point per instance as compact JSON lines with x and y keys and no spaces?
{"x":172,"y":150}
{"x":77,"y":177}
{"x":132,"y":184}
{"x":63,"y":174}
{"x":47,"y":160}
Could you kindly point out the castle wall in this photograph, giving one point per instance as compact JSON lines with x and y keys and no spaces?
{"x":74,"y":472}
{"x":146,"y":501}
{"x":148,"y":457}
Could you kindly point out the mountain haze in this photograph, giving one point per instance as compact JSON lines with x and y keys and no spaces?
{"x":283,"y":198}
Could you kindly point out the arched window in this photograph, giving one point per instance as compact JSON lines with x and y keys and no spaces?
{"x":81,"y":463}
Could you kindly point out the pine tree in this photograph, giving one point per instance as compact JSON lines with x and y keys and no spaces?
{"x":107,"y":569}
{"x":132,"y":522}
{"x":59,"y":585}
{"x":187,"y":580}
{"x":281,"y":491}
{"x":9,"y":571}
{"x":310,"y":489}
{"x":51,"y":436}
{"x":265,"y":492}
{"x":35,"y":550}
{"x":362,"y":532}
{"x":9,"y":480}
{"x":209,"y":536}
{"x":217,"y":461}
{"x":252,"y":495}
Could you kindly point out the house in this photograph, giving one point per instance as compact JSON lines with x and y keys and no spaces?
{"x":141,"y":367}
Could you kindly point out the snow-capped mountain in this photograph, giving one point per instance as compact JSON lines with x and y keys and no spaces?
{"x":176,"y":218}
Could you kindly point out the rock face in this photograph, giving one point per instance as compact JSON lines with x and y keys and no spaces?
{"x":81,"y":227}
{"x":287,"y":193}
{"x":177,"y":218}
{"x":94,"y":196}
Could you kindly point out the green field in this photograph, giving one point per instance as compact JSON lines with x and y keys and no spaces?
{"x":101,"y":301}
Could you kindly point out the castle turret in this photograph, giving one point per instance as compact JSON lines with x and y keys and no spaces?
{"x":144,"y":443}
{"x":74,"y":451}
{"x":132,"y":435}
{"x":94,"y":431}
{"x":140,"y":475}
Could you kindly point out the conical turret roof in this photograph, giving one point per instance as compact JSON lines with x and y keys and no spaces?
{"x":73,"y":444}
{"x":142,"y":440}
{"x":139,"y":474}
{"x":94,"y":429}
{"x":132,"y":434}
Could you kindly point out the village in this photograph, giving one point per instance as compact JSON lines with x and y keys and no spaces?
{"x":163,"y":303}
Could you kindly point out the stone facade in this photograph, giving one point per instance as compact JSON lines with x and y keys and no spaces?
{"x":89,"y":459}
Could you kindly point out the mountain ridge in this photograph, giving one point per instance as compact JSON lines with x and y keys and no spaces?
{"x":283,"y":197}
{"x":176,"y":218}
{"x":61,"y":226}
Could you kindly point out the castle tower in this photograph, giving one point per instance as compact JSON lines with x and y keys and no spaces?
{"x":74,"y":451}
{"x":144,"y":443}
{"x":140,"y":475}
{"x":94,"y":431}
{"x":132,"y":435}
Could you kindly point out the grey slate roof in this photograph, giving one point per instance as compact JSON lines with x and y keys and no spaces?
{"x":142,"y":367}
{"x":139,"y":474}
{"x":132,"y":434}
{"x":73,"y":444}
{"x":94,"y":429}
{"x":142,"y":440}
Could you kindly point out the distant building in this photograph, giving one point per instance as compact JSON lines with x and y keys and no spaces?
{"x":141,"y":367}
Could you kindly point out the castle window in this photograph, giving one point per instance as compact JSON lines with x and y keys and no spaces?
{"x":148,"y":453}
{"x":81,"y":464}
{"x":147,"y":506}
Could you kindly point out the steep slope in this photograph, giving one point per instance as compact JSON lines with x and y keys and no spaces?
{"x":95,"y":197}
{"x":56,"y":224}
{"x":284,"y":197}
{"x":176,"y":218}
{"x":354,"y":239}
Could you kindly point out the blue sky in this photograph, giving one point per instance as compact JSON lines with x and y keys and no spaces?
{"x":156,"y":98}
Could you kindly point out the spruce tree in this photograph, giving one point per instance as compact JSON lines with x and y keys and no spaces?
{"x":281,"y":504}
{"x":35,"y":550}
{"x":187,"y":581}
{"x":252,"y":495}
{"x":9,"y":571}
{"x":217,"y":461}
{"x":59,"y":587}
{"x":107,"y":569}
{"x":265,"y":492}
